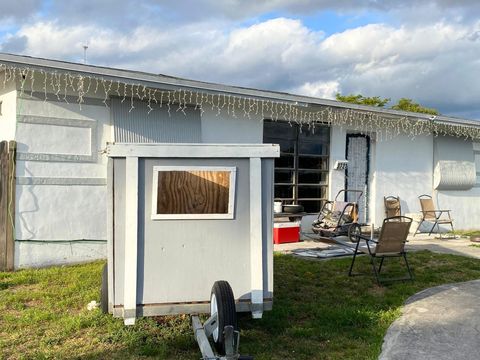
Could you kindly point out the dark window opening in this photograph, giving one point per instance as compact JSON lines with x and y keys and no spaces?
{"x":301,"y":171}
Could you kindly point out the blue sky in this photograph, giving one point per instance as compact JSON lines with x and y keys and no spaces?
{"x":426,"y":50}
{"x":332,"y":22}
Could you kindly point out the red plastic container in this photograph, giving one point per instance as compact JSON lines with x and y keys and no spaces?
{"x":287,"y":232}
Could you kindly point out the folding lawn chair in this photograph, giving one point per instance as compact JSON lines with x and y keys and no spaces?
{"x":392,"y":206}
{"x":430,"y":214}
{"x":390,"y":243}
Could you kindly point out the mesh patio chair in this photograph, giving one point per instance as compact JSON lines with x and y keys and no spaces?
{"x":432,"y":215}
{"x":392,"y":206}
{"x":390,"y":243}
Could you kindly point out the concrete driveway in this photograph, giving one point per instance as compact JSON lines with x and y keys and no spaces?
{"x":441,"y":323}
{"x":458,"y":246}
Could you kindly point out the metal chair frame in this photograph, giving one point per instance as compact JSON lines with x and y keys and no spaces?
{"x":435,"y":217}
{"x":373,"y":254}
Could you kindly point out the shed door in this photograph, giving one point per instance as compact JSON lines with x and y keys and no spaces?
{"x":358,"y":154}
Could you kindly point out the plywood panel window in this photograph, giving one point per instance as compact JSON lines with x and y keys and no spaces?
{"x":191,"y":192}
{"x":301,"y":171}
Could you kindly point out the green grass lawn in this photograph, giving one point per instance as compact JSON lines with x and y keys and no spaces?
{"x":319,"y":313}
{"x":466,"y":233}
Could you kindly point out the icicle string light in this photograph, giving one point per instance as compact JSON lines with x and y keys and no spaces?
{"x":57,"y":84}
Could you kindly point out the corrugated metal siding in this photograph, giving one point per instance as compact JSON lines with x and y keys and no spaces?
{"x":138,"y":126}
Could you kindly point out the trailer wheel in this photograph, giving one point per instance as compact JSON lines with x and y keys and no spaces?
{"x":104,"y":290}
{"x":354,"y":230}
{"x":222,"y":302}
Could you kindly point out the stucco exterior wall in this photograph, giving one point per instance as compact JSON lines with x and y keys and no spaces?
{"x":464,"y":204}
{"x":336,"y":178}
{"x":231,"y":130}
{"x":61,"y":173}
{"x":404,"y":168}
{"x":61,"y":181}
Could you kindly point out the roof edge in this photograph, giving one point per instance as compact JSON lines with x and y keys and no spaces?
{"x":152,"y":80}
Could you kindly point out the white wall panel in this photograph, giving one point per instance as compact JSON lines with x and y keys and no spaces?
{"x":63,"y":169}
{"x":404,"y":168}
{"x":464,"y":206}
{"x":61,"y":212}
{"x":336,"y":178}
{"x":52,"y":139}
{"x":231,"y":130}
{"x":45,"y":254}
{"x":69,"y":210}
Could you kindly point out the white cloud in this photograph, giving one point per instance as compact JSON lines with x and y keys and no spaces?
{"x":320,"y":89}
{"x":434,"y":63}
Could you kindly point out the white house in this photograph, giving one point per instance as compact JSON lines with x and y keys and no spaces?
{"x":62,"y":115}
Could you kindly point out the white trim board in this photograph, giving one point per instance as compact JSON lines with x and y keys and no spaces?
{"x":231,"y":193}
{"x":194,"y":150}
{"x":25,"y":180}
{"x":110,"y":236}
{"x":256,"y":236}
{"x":131,"y":240}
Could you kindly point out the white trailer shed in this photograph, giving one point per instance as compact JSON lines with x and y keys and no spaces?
{"x":182,"y":216}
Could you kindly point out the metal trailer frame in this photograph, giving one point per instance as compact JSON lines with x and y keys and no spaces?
{"x":227,"y":340}
{"x":261,"y":273}
{"x":203,"y":332}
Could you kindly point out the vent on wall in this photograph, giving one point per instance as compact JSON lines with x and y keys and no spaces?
{"x":454,"y":175}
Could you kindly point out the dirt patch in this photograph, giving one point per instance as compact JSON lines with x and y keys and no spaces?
{"x":24,"y":287}
{"x":377,"y":290}
{"x":33,"y":303}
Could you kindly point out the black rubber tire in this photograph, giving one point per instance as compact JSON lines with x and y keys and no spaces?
{"x":104,"y":290}
{"x":226,"y":312}
{"x":354,"y":229}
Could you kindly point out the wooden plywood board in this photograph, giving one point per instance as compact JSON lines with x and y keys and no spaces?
{"x":193,"y":192}
{"x":7,"y":205}
{"x":12,"y":147}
